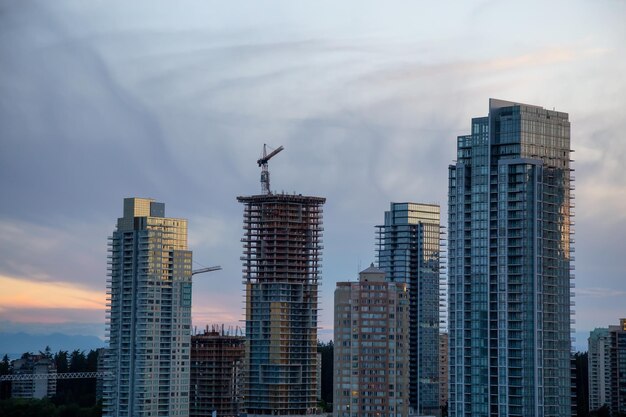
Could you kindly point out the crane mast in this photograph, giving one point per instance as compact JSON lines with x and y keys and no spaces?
{"x":265,"y":173}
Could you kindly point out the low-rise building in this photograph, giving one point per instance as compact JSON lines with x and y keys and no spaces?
{"x":40,"y":387}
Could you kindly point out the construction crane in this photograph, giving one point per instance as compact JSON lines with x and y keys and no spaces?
{"x":208,"y":269}
{"x":265,"y":173}
{"x":53,"y":375}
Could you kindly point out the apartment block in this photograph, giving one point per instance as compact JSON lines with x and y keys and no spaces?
{"x":371,"y":349}
{"x":148,"y":315}
{"x":408,"y":250}
{"x":37,"y":388}
{"x":510,"y":260}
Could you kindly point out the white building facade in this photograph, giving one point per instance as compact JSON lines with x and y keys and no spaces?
{"x":149,"y":314}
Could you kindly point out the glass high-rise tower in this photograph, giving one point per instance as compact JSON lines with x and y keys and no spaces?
{"x":149,"y":314}
{"x":510,"y":208}
{"x":408,"y":251}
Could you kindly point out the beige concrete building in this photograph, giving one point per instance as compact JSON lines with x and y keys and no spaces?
{"x":371,"y":372}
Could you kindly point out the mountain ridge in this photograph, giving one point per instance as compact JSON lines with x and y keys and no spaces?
{"x":14,"y":344}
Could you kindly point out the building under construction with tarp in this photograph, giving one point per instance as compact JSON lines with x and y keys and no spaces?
{"x":282,"y":248}
{"x":216,"y":367}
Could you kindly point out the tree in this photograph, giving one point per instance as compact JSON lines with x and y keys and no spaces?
{"x":61,"y":361}
{"x":603,"y":411}
{"x":5,"y":386}
{"x":5,"y":365}
{"x":327,"y":351}
{"x":47,"y":353}
{"x":92,"y":361}
{"x":78,"y":362}
{"x":19,"y":407}
{"x":582,"y":383}
{"x":80,"y":392}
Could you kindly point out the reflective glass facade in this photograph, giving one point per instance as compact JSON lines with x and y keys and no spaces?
{"x":408,"y":251}
{"x":149,"y":314}
{"x":510,"y":208}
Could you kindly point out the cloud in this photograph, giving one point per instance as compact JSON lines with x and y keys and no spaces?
{"x":72,"y":252}
{"x":20,"y":294}
{"x":104,"y":102}
{"x":600,"y":292}
{"x":211,"y":232}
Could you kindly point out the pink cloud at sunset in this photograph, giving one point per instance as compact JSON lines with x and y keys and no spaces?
{"x":48,"y":302}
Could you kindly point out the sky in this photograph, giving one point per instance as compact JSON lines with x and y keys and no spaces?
{"x":174,"y":100}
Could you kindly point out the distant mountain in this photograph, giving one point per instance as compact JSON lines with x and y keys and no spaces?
{"x":14,"y":344}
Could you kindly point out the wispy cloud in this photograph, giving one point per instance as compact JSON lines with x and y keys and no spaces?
{"x":21,"y":294}
{"x":598,"y":292}
{"x":39,"y":252}
{"x":98,"y":104}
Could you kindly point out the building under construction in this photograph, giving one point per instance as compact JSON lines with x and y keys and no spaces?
{"x":216,"y":366}
{"x":281,"y":264}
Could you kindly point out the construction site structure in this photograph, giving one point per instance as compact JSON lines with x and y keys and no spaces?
{"x":216,"y":373}
{"x":282,"y":251}
{"x":265,"y":173}
{"x":52,"y":376}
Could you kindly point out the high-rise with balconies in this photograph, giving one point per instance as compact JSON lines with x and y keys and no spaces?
{"x":282,"y":268}
{"x":607,"y":369}
{"x":599,"y":362}
{"x":408,"y":250}
{"x":510,"y":228}
{"x":371,"y":350}
{"x":149,"y":314}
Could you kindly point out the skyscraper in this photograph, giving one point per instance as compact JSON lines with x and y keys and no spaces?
{"x":408,"y":251}
{"x":281,"y":264}
{"x":509,"y":270}
{"x":149,"y":318}
{"x":371,"y":372}
{"x":607,"y":368}
{"x":617,"y":335}
{"x":599,"y":358}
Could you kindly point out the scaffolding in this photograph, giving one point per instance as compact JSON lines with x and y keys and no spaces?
{"x":216,"y":366}
{"x":282,"y":248}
